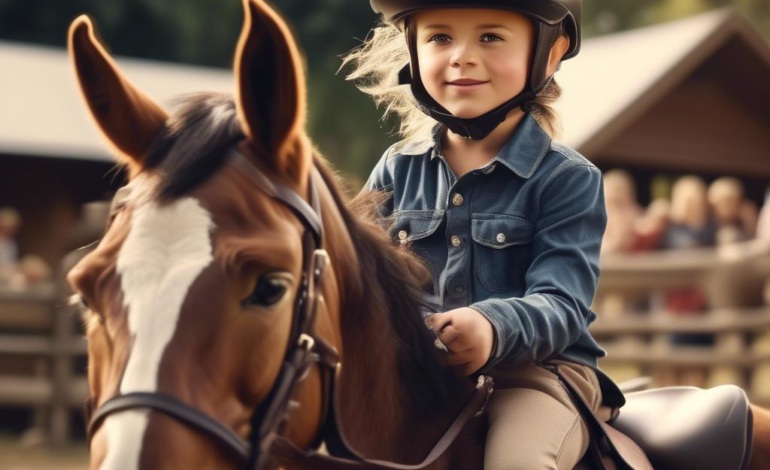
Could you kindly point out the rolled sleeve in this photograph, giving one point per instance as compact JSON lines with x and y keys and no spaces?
{"x":562,"y":277}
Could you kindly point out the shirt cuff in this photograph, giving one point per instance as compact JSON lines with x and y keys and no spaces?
{"x":494,"y":356}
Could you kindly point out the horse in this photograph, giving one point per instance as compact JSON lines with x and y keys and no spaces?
{"x":240,"y":309}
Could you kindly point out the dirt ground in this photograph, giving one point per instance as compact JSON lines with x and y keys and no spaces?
{"x":13,"y":456}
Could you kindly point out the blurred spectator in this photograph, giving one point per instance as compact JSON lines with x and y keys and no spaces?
{"x":10,"y":221}
{"x":689,"y":222}
{"x":622,"y":211}
{"x":735,"y":217}
{"x":690,"y":226}
{"x":34,"y":270}
{"x":763,"y":225}
{"x":651,"y":227}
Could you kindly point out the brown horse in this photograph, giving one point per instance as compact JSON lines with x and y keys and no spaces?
{"x":191,"y":292}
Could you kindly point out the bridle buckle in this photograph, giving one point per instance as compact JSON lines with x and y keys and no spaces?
{"x":306,"y":342}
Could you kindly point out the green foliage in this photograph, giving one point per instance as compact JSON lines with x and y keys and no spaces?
{"x":343,"y":122}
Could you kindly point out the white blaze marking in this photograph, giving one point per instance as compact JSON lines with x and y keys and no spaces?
{"x":165,"y":251}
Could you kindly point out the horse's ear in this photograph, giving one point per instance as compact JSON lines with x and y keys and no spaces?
{"x":270,"y":87}
{"x":126,"y":116}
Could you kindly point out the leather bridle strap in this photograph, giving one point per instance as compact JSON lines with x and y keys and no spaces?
{"x":178,"y":410}
{"x":308,"y":213}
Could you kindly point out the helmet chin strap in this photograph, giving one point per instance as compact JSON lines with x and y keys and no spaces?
{"x":481,"y":126}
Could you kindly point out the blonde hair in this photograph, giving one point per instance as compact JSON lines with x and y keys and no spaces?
{"x":376,"y":63}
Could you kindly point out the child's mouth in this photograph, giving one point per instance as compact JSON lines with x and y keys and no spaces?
{"x":467,"y":84}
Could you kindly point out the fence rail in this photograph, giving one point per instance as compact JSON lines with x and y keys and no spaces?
{"x":40,"y":341}
{"x":643,"y":334}
{"x":39,"y":344}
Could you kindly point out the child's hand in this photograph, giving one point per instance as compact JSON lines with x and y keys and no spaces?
{"x":468,"y":336}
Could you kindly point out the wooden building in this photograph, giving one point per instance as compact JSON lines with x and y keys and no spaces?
{"x":690,"y":96}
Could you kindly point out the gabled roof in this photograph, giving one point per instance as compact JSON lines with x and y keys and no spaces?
{"x":618,"y":77}
{"x":43,"y":114}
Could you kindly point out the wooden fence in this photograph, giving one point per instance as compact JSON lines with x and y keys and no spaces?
{"x":40,"y":349}
{"x":639,"y":331}
{"x":41,"y":343}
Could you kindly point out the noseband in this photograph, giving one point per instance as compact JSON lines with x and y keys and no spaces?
{"x":304,"y":349}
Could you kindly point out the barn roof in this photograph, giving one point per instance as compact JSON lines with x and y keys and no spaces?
{"x":618,"y":77}
{"x":42,"y":113}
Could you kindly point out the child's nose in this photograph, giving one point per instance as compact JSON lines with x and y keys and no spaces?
{"x":463,"y":55}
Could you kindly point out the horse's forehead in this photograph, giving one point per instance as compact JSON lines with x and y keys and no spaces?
{"x":237,"y":205}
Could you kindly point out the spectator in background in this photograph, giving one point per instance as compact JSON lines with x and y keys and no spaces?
{"x":763,"y":225}
{"x":690,"y":224}
{"x":651,"y":227}
{"x":622,"y":211}
{"x":630,"y":228}
{"x":735,"y":218}
{"x":10,"y":221}
{"x":32,"y":270}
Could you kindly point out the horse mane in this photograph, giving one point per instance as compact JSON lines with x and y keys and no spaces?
{"x":388,"y":284}
{"x":192,"y":146}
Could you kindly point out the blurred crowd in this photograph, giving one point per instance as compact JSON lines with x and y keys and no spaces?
{"x":696,"y":215}
{"x":15,"y":271}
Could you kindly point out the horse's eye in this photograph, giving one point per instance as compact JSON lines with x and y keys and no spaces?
{"x":268,"y":291}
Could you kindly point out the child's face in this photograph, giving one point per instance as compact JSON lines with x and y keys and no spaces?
{"x":489,"y":48}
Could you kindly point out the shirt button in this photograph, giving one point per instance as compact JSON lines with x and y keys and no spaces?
{"x":402,"y":235}
{"x":500,"y":237}
{"x":456,"y":241}
{"x":459,"y":289}
{"x":457,"y":199}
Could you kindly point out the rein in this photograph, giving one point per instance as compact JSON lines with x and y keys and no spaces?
{"x":267,"y":444}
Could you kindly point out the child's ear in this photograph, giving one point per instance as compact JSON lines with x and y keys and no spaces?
{"x":559,"y":48}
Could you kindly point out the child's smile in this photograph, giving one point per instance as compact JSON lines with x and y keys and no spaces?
{"x":473,"y":60}
{"x":467,"y":84}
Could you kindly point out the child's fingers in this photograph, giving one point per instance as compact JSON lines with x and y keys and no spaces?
{"x":439,"y":321}
{"x":448,"y":335}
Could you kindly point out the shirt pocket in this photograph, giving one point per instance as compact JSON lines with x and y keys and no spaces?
{"x":417,"y":231}
{"x":412,"y":225}
{"x":502,"y":245}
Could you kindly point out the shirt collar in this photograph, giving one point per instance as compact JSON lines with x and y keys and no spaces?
{"x":522,"y":153}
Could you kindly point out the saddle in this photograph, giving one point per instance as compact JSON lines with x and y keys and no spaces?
{"x":673,"y":428}
{"x":690,"y":428}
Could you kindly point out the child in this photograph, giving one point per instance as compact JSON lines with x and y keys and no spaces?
{"x":510,"y":222}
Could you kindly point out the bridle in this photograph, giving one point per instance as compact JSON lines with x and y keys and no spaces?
{"x":267,"y":444}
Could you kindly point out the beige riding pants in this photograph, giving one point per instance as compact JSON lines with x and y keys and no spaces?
{"x":533,"y":423}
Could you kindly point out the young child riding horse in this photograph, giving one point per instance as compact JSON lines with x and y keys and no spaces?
{"x":509,"y":220}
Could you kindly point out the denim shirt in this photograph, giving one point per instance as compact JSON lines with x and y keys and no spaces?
{"x":518,"y":240}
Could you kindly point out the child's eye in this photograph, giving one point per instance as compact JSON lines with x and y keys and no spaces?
{"x":490,"y":38}
{"x":439,"y":38}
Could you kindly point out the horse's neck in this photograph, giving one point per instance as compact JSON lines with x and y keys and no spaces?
{"x":381,"y":414}
{"x":375,"y":401}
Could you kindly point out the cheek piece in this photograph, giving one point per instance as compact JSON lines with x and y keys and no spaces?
{"x":479,"y":127}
